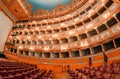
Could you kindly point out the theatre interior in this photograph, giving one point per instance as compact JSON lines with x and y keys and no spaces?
{"x":59,"y":39}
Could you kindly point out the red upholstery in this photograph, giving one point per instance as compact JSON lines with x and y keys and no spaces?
{"x":108,"y":71}
{"x":15,"y":70}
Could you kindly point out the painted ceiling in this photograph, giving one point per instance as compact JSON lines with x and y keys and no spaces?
{"x":47,"y":4}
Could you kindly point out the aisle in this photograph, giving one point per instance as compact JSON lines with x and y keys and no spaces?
{"x":62,"y":75}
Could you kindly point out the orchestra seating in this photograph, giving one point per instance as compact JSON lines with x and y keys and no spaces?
{"x":16,"y":70}
{"x":108,"y":71}
{"x":63,"y":40}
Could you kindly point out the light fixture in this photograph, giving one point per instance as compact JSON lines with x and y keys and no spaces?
{"x":46,"y":48}
{"x":55,"y":35}
{"x":28,"y":37}
{"x":71,"y":32}
{"x":20,"y":47}
{"x":39,"y":36}
{"x":36,"y":28}
{"x":48,"y":26}
{"x":64,"y":47}
{"x":17,"y":37}
{"x":62,"y":24}
{"x":89,"y":25}
{"x":32,"y":48}
{"x":90,"y":12}
{"x":107,"y":14}
{"x":84,"y":43}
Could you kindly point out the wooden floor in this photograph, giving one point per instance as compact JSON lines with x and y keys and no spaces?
{"x":62,"y":75}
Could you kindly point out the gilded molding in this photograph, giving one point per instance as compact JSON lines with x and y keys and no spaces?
{"x":58,"y":11}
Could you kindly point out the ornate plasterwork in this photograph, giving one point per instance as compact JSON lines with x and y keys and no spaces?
{"x":27,"y":6}
{"x":5,"y":9}
{"x":58,"y":11}
{"x":8,"y":2}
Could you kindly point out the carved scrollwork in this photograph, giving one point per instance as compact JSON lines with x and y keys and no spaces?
{"x":8,"y":2}
{"x":59,"y":10}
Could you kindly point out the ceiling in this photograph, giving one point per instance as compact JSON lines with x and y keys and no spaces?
{"x":21,"y":12}
{"x":13,"y":7}
{"x":46,"y":4}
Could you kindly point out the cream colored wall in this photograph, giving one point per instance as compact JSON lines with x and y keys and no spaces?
{"x":5,"y":26}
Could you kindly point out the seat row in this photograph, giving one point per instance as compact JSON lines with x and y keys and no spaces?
{"x":16,"y":70}
{"x":108,"y":71}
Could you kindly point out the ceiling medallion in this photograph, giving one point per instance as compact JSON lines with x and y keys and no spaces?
{"x":8,"y":2}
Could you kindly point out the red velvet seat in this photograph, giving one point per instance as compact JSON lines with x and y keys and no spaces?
{"x":84,"y":77}
{"x":108,"y":69}
{"x":18,"y":76}
{"x":9,"y":77}
{"x":107,"y":76}
{"x":116,"y":70}
{"x":1,"y":77}
{"x":116,"y":76}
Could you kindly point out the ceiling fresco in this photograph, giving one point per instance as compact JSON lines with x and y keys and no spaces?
{"x":47,"y":4}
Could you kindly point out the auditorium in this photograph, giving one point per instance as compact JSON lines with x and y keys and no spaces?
{"x":59,"y":39}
